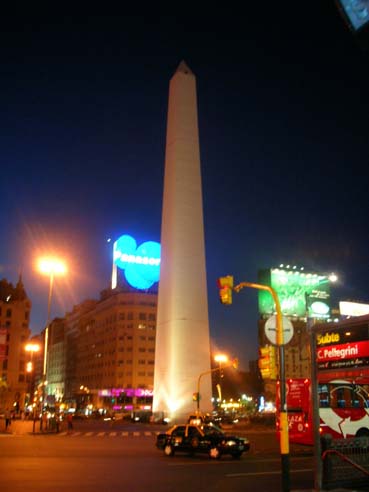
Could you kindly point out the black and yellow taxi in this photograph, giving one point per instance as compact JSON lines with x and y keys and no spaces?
{"x":201,"y":438}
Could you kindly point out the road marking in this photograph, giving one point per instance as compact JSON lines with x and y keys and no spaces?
{"x":124,"y":434}
{"x":136,"y":434}
{"x":88,"y":434}
{"x":76,"y":434}
{"x":148,"y":433}
{"x":100,"y":434}
{"x":112,"y":434}
{"x":276,"y":472}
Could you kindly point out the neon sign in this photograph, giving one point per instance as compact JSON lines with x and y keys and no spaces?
{"x":141,"y":264}
{"x":327,"y":338}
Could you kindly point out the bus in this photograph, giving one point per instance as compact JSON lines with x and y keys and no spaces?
{"x":342,"y":367}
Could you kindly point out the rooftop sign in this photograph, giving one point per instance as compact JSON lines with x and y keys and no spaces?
{"x":141,"y":264}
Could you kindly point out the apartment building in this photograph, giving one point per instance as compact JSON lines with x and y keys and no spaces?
{"x":15,"y":308}
{"x":104,"y":350}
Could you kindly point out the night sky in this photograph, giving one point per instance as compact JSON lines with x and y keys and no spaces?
{"x":283,"y":100}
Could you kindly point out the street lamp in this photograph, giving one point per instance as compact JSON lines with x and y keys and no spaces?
{"x":51,"y":267}
{"x":233,"y":363}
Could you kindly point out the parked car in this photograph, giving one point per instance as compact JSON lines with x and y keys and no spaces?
{"x":203,"y":438}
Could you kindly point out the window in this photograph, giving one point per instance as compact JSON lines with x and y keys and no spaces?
{"x":141,"y":361}
{"x":8,"y":313}
{"x":130,"y":316}
{"x":142,"y":316}
{"x":179,"y":431}
{"x":151,"y":317}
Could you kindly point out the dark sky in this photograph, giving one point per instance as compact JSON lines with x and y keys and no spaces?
{"x":284,"y":135}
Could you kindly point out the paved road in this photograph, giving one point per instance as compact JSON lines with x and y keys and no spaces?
{"x":111,"y":459}
{"x":99,"y":456}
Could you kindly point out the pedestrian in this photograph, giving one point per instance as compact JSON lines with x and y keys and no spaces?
{"x":8,"y":419}
{"x":70,"y":421}
{"x":44,"y":421}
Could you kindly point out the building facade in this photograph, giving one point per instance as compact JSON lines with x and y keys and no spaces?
{"x":104,"y":351}
{"x":15,"y":308}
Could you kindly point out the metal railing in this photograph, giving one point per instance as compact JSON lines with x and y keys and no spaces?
{"x":345,"y":462}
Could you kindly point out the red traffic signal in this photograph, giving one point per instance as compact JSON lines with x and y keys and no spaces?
{"x":225,"y":285}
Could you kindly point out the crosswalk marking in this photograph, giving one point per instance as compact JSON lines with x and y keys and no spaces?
{"x":78,"y":433}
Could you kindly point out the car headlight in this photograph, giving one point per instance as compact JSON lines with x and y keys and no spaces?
{"x":231,"y":443}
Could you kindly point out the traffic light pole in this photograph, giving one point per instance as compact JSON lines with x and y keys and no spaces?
{"x":233,"y":363}
{"x":284,"y":442}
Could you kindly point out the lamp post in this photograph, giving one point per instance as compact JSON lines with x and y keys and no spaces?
{"x":220,"y":358}
{"x":233,"y":363}
{"x":51,"y":267}
{"x":318,"y":469}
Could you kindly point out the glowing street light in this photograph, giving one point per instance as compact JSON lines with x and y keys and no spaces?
{"x":332,"y":277}
{"x":32,"y":347}
{"x":221,"y":358}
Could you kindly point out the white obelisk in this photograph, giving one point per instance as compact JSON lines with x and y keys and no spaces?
{"x":182,"y":357}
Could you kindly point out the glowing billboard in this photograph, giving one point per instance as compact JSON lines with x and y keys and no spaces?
{"x":355,"y":12}
{"x":353,"y":308}
{"x":141,"y":264}
{"x":300,"y":294}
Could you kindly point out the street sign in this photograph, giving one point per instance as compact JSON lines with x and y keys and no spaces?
{"x":271,"y":329}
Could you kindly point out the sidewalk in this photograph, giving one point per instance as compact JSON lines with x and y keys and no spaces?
{"x":20,"y":427}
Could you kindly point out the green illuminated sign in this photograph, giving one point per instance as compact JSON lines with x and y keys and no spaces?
{"x":300,"y":294}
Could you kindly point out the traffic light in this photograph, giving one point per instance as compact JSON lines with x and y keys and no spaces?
{"x":273,"y":362}
{"x":29,"y":367}
{"x":267,"y":362}
{"x":225,"y":285}
{"x":196,"y":397}
{"x":264,"y":362}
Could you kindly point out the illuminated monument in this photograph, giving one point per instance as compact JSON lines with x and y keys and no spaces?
{"x":182,"y":339}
